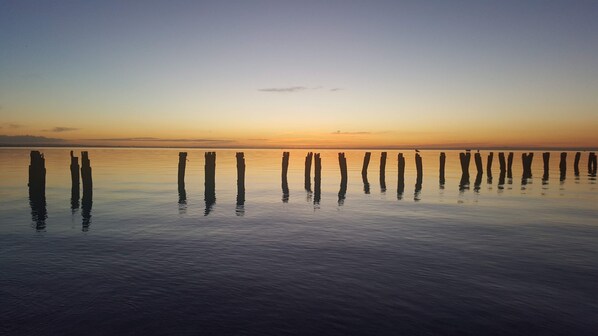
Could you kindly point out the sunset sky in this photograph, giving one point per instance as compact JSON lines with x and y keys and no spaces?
{"x":300,"y":74}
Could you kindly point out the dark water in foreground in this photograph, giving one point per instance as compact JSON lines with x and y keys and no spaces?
{"x":488,"y":260}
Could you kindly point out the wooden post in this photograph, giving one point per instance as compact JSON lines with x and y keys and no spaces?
{"x":464,"y":158}
{"x":182,"y":165}
{"x":420,"y":174}
{"x":546,"y":161}
{"x":594,"y":164}
{"x":383,"y":171}
{"x":401,"y":175}
{"x":74,"y":182}
{"x":86,"y":174}
{"x":240,"y":178}
{"x":526,"y":159}
{"x":442,"y":165}
{"x":510,"y":165}
{"x":563,"y":166}
{"x":489,"y":166}
{"x":308,"y":159}
{"x":576,"y":163}
{"x":478,"y":163}
{"x":317,"y":177}
{"x":285,"y":183}
{"x":210,"y":181}
{"x":37,"y":173}
{"x":366,"y":163}
{"x":501,"y":162}
{"x":37,"y":190}
{"x":364,"y":172}
{"x":342,"y":162}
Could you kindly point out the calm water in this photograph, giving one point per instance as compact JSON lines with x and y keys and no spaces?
{"x":488,"y":260}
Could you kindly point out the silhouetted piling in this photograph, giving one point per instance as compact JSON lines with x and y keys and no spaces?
{"x":364,"y":172}
{"x":401,"y":175}
{"x":383,"y":171}
{"x":592,"y":164}
{"x":489,"y":166}
{"x":74,"y":182}
{"x":510,"y":165}
{"x":442,"y":165}
{"x":37,"y":173}
{"x":308,"y":159}
{"x":478,"y":163}
{"x":576,"y":163}
{"x":86,"y":174}
{"x":563,"y":166}
{"x":240,"y":178}
{"x":420,"y":172}
{"x":526,"y":160}
{"x":342,"y":162}
{"x":37,"y":189}
{"x":182,"y":165}
{"x":464,"y":159}
{"x":210,"y":181}
{"x":478,"y":182}
{"x":546,"y":161}
{"x":501,"y":162}
{"x":317,"y":177}
{"x":285,"y":183}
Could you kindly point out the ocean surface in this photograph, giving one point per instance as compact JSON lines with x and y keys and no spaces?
{"x":143,"y":259}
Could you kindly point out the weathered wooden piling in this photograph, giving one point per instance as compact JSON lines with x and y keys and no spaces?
{"x":285,"y":182}
{"x":240,"y":178}
{"x":442,"y":165}
{"x":478,"y":182}
{"x":420,"y":172}
{"x":510,"y":165}
{"x":182,"y":165}
{"x":563,"y":166}
{"x":37,"y":190}
{"x":366,"y":163}
{"x":308,"y":159}
{"x":401,"y":175}
{"x":501,"y":162}
{"x":37,"y":173}
{"x":74,"y":182}
{"x":546,"y":161}
{"x":592,"y":164}
{"x":210,"y":170}
{"x":526,"y":159}
{"x":364,"y":172}
{"x":489,"y":166}
{"x":342,"y":162}
{"x":464,"y":159}
{"x":210,"y":181}
{"x":86,"y":174}
{"x":86,"y":204}
{"x":74,"y":173}
{"x":383,"y":171}
{"x":478,"y":163}
{"x":317,"y":177}
{"x":576,"y":163}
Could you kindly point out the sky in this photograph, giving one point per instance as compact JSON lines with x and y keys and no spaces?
{"x":288,"y":74}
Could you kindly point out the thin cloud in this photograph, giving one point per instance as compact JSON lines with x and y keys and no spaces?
{"x":26,"y":139}
{"x":336,"y":89}
{"x":288,"y":89}
{"x":59,"y":129}
{"x":350,"y":133}
{"x":13,"y":126}
{"x":150,"y":139}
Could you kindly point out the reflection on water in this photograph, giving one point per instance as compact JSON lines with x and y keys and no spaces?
{"x":349,"y":267}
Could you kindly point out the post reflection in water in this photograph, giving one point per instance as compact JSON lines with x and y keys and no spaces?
{"x":478,"y":182}
{"x":39,"y":213}
{"x":86,"y":204}
{"x":240,"y":207}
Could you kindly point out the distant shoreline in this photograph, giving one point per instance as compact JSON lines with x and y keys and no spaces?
{"x":516,"y":148}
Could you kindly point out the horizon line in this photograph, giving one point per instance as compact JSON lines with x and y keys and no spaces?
{"x":522,"y":147}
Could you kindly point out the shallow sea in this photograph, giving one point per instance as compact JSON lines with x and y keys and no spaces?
{"x":515,"y":259}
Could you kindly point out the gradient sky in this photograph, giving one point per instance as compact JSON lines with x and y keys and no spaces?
{"x":301,"y":73}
